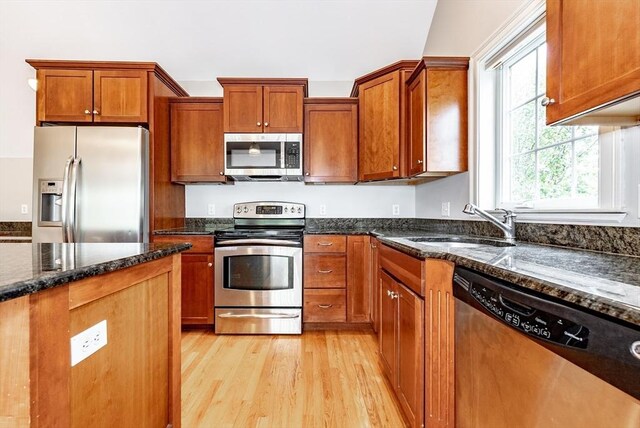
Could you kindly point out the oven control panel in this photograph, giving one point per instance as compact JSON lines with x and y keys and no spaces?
{"x":274,"y":210}
{"x":531,"y":321}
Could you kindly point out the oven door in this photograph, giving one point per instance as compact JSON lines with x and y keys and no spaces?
{"x":258,"y":276}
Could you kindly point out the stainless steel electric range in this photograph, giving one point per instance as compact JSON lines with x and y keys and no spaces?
{"x":258,"y":270}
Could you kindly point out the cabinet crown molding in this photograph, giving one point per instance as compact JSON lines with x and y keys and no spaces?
{"x":399,"y":65}
{"x":442,"y":62}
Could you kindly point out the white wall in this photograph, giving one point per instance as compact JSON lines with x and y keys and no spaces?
{"x":340,"y":200}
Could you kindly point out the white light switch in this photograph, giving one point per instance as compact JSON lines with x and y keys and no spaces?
{"x":88,"y":342}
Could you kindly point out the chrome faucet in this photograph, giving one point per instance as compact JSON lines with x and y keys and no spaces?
{"x":508,"y":225}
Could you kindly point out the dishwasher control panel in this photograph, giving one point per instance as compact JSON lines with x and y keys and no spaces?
{"x":531,"y":321}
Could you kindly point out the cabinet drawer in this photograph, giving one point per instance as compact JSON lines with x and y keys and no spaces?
{"x":324,"y":306}
{"x":325,"y":244}
{"x":201,"y":244}
{"x":325,"y":271}
{"x":407,"y":269}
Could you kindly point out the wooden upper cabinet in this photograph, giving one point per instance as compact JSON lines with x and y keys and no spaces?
{"x":120,"y":96}
{"x":331,"y":140}
{"x":64,"y":95}
{"x":593,"y":55}
{"x":381,"y":120}
{"x":282,"y":109}
{"x":197,"y":147}
{"x":437,"y":140}
{"x":263,"y":105}
{"x":81,"y":92}
{"x":243,"y":108}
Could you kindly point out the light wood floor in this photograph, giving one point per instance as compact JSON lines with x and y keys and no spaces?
{"x":319,"y":379}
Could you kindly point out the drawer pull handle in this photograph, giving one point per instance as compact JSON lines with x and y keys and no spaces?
{"x":325,"y":271}
{"x":327,"y":306}
{"x":325,"y":244}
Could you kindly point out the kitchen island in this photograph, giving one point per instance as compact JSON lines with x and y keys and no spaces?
{"x":126,"y":374}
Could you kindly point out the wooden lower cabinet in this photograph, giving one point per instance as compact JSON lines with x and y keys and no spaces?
{"x":336,"y":272}
{"x":197,"y":278}
{"x":375,"y":287}
{"x":402,"y":345}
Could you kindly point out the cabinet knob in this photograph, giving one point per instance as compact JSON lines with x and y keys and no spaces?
{"x":306,"y":173}
{"x":258,"y":124}
{"x":395,"y":168}
{"x":221,"y":173}
{"x":96,"y":112}
{"x":547,"y":101}
{"x":266,"y":124}
{"x":419,"y":161}
{"x":210,"y":264}
{"x":87,"y":112}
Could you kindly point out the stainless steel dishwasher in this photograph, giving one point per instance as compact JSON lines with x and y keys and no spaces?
{"x":524,"y":360}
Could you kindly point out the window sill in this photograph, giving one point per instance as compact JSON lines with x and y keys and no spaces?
{"x":569,"y":216}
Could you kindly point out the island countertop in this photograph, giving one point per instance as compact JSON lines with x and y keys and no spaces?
{"x":28,"y":268}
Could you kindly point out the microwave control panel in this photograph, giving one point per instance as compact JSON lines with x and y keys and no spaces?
{"x":292,"y":155}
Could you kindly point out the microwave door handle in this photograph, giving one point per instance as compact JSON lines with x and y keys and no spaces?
{"x":234,"y":242}
{"x":65,"y":200}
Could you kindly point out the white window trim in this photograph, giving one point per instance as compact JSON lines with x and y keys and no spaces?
{"x":484,"y":151}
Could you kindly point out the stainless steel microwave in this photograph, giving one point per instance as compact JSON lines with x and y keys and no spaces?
{"x":263,"y":157}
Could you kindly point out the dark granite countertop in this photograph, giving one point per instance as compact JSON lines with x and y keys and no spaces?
{"x":28,"y":268}
{"x":608,"y":284}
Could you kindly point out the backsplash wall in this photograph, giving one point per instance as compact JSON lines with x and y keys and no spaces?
{"x":347,"y":201}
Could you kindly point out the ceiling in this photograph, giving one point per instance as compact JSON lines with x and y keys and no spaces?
{"x":329,"y":40}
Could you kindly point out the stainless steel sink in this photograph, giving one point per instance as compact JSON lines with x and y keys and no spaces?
{"x":454,"y":242}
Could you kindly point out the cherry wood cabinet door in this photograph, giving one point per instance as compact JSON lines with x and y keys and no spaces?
{"x":120,"y":96}
{"x":64,"y":95}
{"x":387,"y":333}
{"x":439,"y":377}
{"x":593,"y":54}
{"x":197,"y":289}
{"x":197,"y":146}
{"x":379,"y":126}
{"x":416,"y":119}
{"x":243,"y":108}
{"x":331,"y":141}
{"x":282,"y":108}
{"x":410,"y":364}
{"x":358,"y":283}
{"x":327,"y":306}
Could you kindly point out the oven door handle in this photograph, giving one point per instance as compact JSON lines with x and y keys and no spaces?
{"x":260,"y":316}
{"x":281,"y":243}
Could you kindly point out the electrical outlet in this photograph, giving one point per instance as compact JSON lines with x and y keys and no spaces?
{"x":395,"y":209}
{"x":446,"y":209}
{"x":211,"y":209}
{"x":24,"y":209}
{"x":88,"y":342}
{"x":323,"y":209}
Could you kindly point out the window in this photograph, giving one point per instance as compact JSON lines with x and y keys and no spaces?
{"x":540,"y":166}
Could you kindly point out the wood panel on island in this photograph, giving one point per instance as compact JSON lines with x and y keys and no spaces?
{"x":331,"y":140}
{"x":123,"y":93}
{"x":197,"y":292}
{"x":263,"y":105}
{"x":416,"y":335}
{"x":336,"y":281}
{"x":197,"y":146}
{"x":598,"y":75}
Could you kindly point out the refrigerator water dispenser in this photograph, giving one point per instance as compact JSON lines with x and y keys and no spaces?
{"x":50,"y":209}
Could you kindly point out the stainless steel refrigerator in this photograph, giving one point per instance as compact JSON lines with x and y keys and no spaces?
{"x":90,"y":184}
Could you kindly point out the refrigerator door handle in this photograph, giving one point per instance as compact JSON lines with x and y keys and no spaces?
{"x":65,"y":200}
{"x":73,"y":205}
